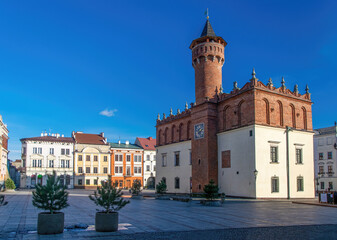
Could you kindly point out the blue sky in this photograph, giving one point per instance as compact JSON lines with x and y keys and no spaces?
{"x":64,"y":62}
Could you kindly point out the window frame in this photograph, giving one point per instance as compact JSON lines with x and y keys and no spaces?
{"x":274,"y":154}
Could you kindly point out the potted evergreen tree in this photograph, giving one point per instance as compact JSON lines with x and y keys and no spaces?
{"x":161,"y":189}
{"x":135,"y":190}
{"x":211,"y":192}
{"x":110,"y":199}
{"x":9,"y":184}
{"x":51,"y":197}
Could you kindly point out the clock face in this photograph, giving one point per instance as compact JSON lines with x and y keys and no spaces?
{"x":199,"y":131}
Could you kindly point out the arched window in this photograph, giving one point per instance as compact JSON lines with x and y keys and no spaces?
{"x":165,"y":135}
{"x":267,"y":110}
{"x":173,"y":133}
{"x":304,"y":118}
{"x":240,"y":113}
{"x":293,"y":116}
{"x":188,"y":130}
{"x":181,"y":131}
{"x":280,"y":105}
{"x":225,"y":110}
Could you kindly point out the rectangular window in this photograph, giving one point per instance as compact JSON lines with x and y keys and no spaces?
{"x":79,"y":157}
{"x":321,"y":156}
{"x":274,"y":154}
{"x":128,"y":171}
{"x":87,"y":170}
{"x":330,"y":185}
{"x":80,"y":182}
{"x":63,"y":151}
{"x":320,"y":142}
{"x":322,"y":185}
{"x":67,"y":163}
{"x":51,"y":163}
{"x":34,"y":162}
{"x":39,"y":163}
{"x":95,"y":181}
{"x":300,"y":185}
{"x":116,"y":158}
{"x":176,"y":158}
{"x":116,"y":169}
{"x":95,"y":158}
{"x":67,"y":151}
{"x":87,"y":182}
{"x":62,"y":164}
{"x":299,"y":157}
{"x":148,"y":157}
{"x":24,"y":150}
{"x":137,"y":170}
{"x":154,"y":168}
{"x":163,"y":160}
{"x":121,"y":170}
{"x":274,"y":185}
{"x":51,"y":151}
{"x":154,"y":157}
{"x":330,"y":169}
{"x":329,"y":155}
{"x":148,"y":168}
{"x":321,"y":170}
{"x":35,"y":150}
{"x":128,"y":158}
{"x":105,"y":170}
{"x":95,"y":170}
{"x":226,"y":159}
{"x":105,"y":158}
{"x":120,"y":183}
{"x":87,"y":157}
{"x":329,"y":141}
{"x":177,"y":183}
{"x":80,"y":170}
{"x":40,"y":151}
{"x":120,"y":158}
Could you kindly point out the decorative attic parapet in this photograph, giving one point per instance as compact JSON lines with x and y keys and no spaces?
{"x":255,"y":83}
{"x":172,"y":117}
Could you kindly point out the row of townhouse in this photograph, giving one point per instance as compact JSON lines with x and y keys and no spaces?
{"x":85,"y":160}
{"x":3,"y":151}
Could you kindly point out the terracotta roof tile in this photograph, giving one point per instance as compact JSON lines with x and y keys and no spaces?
{"x":49,"y":139}
{"x":146,"y":143}
{"x":87,"y":138}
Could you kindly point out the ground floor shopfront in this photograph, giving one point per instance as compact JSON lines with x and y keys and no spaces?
{"x":31,"y":179}
{"x":125,"y":182}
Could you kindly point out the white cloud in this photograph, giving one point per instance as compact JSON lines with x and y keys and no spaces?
{"x":108,"y":113}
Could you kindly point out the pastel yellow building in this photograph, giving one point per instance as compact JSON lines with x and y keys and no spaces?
{"x":91,"y":160}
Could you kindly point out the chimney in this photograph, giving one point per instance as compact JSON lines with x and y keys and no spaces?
{"x":127,"y":142}
{"x":57,"y":135}
{"x":102,"y":134}
{"x":42,"y":134}
{"x":119,"y":141}
{"x":62,"y":135}
{"x":150,"y":138}
{"x":45,"y":133}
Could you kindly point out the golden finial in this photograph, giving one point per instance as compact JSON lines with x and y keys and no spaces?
{"x":206,"y":13}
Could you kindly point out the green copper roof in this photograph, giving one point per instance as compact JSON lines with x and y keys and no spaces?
{"x":125,"y":146}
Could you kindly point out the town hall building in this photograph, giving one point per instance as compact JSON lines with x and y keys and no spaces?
{"x":255,"y":141}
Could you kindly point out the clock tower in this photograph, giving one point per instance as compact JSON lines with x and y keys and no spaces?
{"x":207,"y":60}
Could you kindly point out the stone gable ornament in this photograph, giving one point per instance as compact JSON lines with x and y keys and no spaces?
{"x":296,"y":89}
{"x":270,"y":83}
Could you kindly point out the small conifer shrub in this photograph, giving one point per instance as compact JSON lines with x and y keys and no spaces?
{"x":51,"y":197}
{"x":9,"y":184}
{"x":161,"y":187}
{"x":108,"y":197}
{"x":211,"y":190}
{"x":135,"y":190}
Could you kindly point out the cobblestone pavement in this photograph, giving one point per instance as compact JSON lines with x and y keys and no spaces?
{"x":162,"y":219}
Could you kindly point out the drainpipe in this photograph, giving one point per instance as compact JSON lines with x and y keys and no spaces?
{"x":288,"y":129}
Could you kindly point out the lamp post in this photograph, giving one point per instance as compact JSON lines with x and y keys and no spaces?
{"x":288,"y":129}
{"x":319,"y":176}
{"x":255,"y":173}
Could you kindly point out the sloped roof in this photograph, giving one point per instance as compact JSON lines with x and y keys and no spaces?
{"x":87,"y":138}
{"x":146,"y":143}
{"x":49,"y":139}
{"x":327,"y":130}
{"x":124,"y":146}
{"x":208,"y":30}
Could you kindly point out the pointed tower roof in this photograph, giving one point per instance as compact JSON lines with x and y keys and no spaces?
{"x":208,"y":30}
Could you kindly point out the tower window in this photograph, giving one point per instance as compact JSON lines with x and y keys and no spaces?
{"x":199,"y":161}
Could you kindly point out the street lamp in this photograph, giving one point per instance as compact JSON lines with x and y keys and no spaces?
{"x":255,"y":173}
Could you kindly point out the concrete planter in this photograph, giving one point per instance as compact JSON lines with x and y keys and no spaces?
{"x":211,"y":203}
{"x":50,"y":223}
{"x":106,"y":222}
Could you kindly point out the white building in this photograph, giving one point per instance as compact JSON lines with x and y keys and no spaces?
{"x":325,"y":152}
{"x":3,"y":151}
{"x":149,"y":146}
{"x":43,"y":155}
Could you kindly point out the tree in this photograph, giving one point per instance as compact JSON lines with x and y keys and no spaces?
{"x":9,"y":184}
{"x":52,"y":196}
{"x":161,"y":187}
{"x":135,"y":190}
{"x":108,"y":197}
{"x":211,"y":190}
